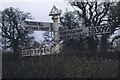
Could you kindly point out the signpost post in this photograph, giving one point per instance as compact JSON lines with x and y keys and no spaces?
{"x":55,"y":13}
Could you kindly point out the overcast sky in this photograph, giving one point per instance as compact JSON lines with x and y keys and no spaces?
{"x":39,"y":9}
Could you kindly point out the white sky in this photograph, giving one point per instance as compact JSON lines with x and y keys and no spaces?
{"x":39,"y":9}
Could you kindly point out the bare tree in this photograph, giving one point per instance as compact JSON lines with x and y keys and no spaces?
{"x":93,"y":14}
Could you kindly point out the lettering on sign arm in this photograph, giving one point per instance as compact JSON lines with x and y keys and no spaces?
{"x":101,"y":29}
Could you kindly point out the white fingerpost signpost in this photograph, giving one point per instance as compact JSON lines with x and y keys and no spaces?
{"x":60,"y":35}
{"x":44,"y":26}
{"x":55,"y":13}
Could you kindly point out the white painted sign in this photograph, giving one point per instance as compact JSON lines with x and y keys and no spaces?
{"x":38,"y":26}
{"x":37,"y":51}
{"x":74,"y":33}
{"x":84,"y":32}
{"x":101,"y":29}
{"x":42,"y":50}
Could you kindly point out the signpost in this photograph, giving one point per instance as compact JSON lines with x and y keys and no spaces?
{"x":74,"y":33}
{"x":45,"y":26}
{"x":84,"y":32}
{"x":55,"y":13}
{"x":38,"y":26}
{"x":101,"y":29}
{"x":63,"y":34}
{"x":37,"y":51}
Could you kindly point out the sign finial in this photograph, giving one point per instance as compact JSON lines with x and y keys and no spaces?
{"x":54,"y":11}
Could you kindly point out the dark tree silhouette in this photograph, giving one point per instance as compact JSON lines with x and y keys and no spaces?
{"x":114,"y":16}
{"x":93,"y":14}
{"x":12,"y":29}
{"x":114,"y":19}
{"x":48,"y":37}
{"x":70,"y":20}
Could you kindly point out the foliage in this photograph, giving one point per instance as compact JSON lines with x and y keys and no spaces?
{"x":114,"y":16}
{"x":48,"y":37}
{"x":13,"y":32}
{"x":114,"y":20}
{"x":91,"y":14}
{"x":70,"y":20}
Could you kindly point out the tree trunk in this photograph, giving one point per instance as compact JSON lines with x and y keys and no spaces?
{"x":92,"y":44}
{"x":103,"y":47}
{"x":15,"y":48}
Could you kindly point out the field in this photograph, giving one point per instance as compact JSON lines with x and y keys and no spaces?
{"x":59,"y":66}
